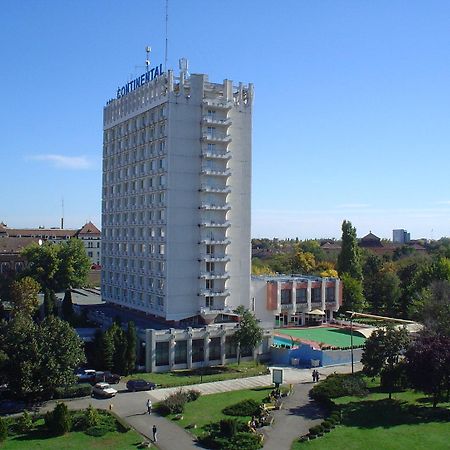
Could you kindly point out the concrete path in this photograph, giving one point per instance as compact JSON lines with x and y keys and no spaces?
{"x":295,"y":418}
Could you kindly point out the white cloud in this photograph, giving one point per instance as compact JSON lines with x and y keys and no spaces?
{"x":65,"y":162}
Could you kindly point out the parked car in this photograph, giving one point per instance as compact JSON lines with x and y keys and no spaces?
{"x":86,"y":376}
{"x":140,"y":385}
{"x":107,"y":377}
{"x":103,"y":390}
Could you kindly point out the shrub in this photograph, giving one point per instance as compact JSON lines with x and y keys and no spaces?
{"x":244,"y":440}
{"x":92,"y":417}
{"x":25,"y":422}
{"x":314,"y":431}
{"x":3,"y":430}
{"x":228,"y":427}
{"x":339,"y":385}
{"x":193,"y":395}
{"x":59,"y":420}
{"x":79,"y":422}
{"x":326,"y":424}
{"x":97,"y":431}
{"x":247,"y":407}
{"x":75,"y":390}
{"x":121,"y":425}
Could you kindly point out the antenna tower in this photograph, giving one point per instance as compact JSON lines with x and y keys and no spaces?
{"x":167,"y":36}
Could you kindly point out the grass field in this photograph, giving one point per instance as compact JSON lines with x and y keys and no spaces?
{"x":208,"y":408}
{"x":408,"y":421}
{"x":336,"y":337}
{"x":40,"y":439}
{"x":205,"y":375}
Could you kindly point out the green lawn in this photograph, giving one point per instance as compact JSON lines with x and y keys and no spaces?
{"x":216,"y":373}
{"x":208,"y":408}
{"x":336,"y":337}
{"x":73,"y":441}
{"x":408,"y":421}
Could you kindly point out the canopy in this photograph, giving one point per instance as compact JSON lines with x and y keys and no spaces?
{"x":316,"y":312}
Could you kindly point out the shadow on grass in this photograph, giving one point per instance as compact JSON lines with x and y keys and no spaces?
{"x":38,"y":434}
{"x":389,"y":413}
{"x":213,"y":370}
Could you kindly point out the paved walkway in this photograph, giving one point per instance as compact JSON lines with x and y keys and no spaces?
{"x":294,"y":419}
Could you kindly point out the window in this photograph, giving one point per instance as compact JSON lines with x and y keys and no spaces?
{"x":210,"y":266}
{"x":330,"y":294}
{"x":316,"y":295}
{"x":300,"y":295}
{"x":209,"y":302}
{"x":90,"y":254}
{"x":209,"y":284}
{"x":209,"y":249}
{"x":286,"y":296}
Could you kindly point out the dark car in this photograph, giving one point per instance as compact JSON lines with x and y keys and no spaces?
{"x":107,"y":377}
{"x":140,"y":385}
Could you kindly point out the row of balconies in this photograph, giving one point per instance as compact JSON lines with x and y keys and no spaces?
{"x":215,"y":292}
{"x":214,"y":275}
{"x":209,"y":120}
{"x":213,"y":258}
{"x":216,"y":138}
{"x":206,"y":206}
{"x":215,"y":190}
{"x":212,"y":224}
{"x":215,"y":241}
{"x":219,"y":103}
{"x":215,"y":154}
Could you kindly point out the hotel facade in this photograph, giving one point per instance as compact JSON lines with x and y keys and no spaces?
{"x":176,"y":198}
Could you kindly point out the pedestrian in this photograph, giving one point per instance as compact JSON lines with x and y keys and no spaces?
{"x":314,"y":375}
{"x":149,"y":406}
{"x":155,"y":431}
{"x":317,"y":376}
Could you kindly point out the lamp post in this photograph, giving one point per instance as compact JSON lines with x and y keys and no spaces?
{"x":203,"y":363}
{"x":351,"y":342}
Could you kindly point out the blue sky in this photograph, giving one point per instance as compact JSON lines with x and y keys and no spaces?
{"x":351,"y":116}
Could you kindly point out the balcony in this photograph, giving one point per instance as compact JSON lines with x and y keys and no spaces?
{"x":214,"y":258}
{"x":214,"y":275}
{"x":214,"y":292}
{"x":286,"y":306}
{"x":209,"y":120}
{"x":211,"y":224}
{"x":215,"y":172}
{"x":216,"y":155}
{"x":215,"y":189}
{"x":218,"y":103}
{"x":210,"y":207}
{"x":215,"y":241}
{"x":216,"y":138}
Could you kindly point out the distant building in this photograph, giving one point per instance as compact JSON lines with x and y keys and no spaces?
{"x":370,"y":241}
{"x":400,"y":236}
{"x":295,"y":300}
{"x":13,"y":240}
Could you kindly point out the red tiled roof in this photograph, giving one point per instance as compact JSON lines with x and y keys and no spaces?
{"x":88,"y":228}
{"x":15,"y":244}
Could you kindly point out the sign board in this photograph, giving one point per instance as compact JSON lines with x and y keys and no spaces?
{"x":277,"y":376}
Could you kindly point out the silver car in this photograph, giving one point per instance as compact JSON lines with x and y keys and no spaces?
{"x":103,"y":390}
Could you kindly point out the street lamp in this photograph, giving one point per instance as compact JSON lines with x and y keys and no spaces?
{"x":203,"y":363}
{"x":351,"y":341}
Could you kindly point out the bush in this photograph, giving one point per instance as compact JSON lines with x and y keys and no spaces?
{"x":228,"y":427}
{"x":245,"y":440}
{"x":3,"y":430}
{"x":339,"y":385}
{"x":59,"y":420}
{"x":79,"y":422}
{"x":92,"y":417}
{"x":314,"y":431}
{"x":193,"y":395}
{"x":97,"y":431}
{"x":75,"y":390}
{"x":25,"y":422}
{"x":121,"y":425}
{"x":247,"y":407}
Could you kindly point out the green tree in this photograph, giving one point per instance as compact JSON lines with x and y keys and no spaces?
{"x":50,"y":303}
{"x":119,"y":339}
{"x":130,"y":355}
{"x":104,"y":345}
{"x":58,"y":266}
{"x":387,"y":294}
{"x":352,"y":294}
{"x":43,"y":264}
{"x":349,"y":257}
{"x":67,"y":306}
{"x":24,"y":296}
{"x":249,"y":334}
{"x":59,"y":420}
{"x":61,"y":353}
{"x":74,"y":264}
{"x":382,"y":352}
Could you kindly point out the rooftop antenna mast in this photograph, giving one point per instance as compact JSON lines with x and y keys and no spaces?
{"x":62,"y":213}
{"x":148,"y":49}
{"x":167,"y":36}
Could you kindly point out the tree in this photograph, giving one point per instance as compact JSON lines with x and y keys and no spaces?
{"x":130,"y":355}
{"x":24,"y":296}
{"x":59,"y":420}
{"x":61,"y":353}
{"x":39,"y":358}
{"x":249,"y":334}
{"x":381,"y":354}
{"x":352,"y":294}
{"x":67,"y":306}
{"x":349,"y":257}
{"x":58,"y":266}
{"x":50,"y":303}
{"x":387,"y":294}
{"x":303,"y":262}
{"x":74,"y":264}
{"x":119,"y":339}
{"x":104,"y":346}
{"x":428,"y":364}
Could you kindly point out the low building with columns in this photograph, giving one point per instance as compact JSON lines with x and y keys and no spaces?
{"x":295,"y":300}
{"x":193,"y":348}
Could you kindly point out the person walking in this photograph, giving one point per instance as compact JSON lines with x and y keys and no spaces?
{"x":155,"y":432}
{"x":149,"y":406}
{"x":314,"y":375}
{"x":317,"y":376}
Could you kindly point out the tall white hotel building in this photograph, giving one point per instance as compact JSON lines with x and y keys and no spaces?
{"x":176,"y":197}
